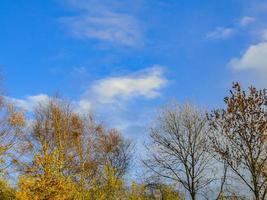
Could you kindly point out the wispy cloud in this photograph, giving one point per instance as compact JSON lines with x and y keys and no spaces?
{"x":246,"y":20}
{"x":30,"y":102}
{"x":100,"y":20}
{"x":221,"y":33}
{"x":145,"y":84}
{"x":83,"y":106}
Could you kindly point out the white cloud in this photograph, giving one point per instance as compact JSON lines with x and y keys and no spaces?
{"x":221,"y":33}
{"x":113,"y":28}
{"x":255,"y":57}
{"x":245,"y":21}
{"x":83,"y":106}
{"x":252,"y":64}
{"x":226,"y":32}
{"x":144,"y":84}
{"x":30,"y":102}
{"x":99,"y":20}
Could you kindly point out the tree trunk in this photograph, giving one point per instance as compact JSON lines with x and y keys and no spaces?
{"x":193,"y":195}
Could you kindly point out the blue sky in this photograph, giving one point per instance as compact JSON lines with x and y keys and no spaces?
{"x":122,"y":60}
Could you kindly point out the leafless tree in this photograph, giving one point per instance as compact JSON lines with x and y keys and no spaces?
{"x":240,"y":137}
{"x":179,"y":149}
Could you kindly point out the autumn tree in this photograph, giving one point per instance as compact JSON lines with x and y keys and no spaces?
{"x":113,"y":188}
{"x":138,"y":192}
{"x":240,"y":137}
{"x":159,"y":190}
{"x":112,"y":149}
{"x":179,"y":148}
{"x":108,"y":186}
{"x":12,"y":143}
{"x":83,"y":147}
{"x":6,"y":191}
{"x":45,"y":181}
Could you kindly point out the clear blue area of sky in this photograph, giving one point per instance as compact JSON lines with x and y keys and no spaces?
{"x":39,"y":53}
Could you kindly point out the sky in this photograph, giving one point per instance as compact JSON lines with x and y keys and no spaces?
{"x":124,"y":60}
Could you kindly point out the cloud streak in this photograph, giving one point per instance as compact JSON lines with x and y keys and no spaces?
{"x":30,"y":102}
{"x":221,"y":33}
{"x":103,"y":23}
{"x":246,"y":20}
{"x":146,"y":85}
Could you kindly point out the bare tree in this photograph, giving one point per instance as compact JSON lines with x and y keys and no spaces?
{"x":240,"y":137}
{"x":179,"y":148}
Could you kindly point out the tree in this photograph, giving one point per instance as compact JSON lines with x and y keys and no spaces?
{"x":45,"y":181}
{"x":161,"y":191}
{"x":108,"y":187}
{"x":179,"y":148}
{"x":12,"y":143}
{"x":113,"y":188}
{"x":240,"y":136}
{"x":6,"y":191}
{"x":138,"y":192}
{"x":83,"y":147}
{"x":112,"y":149}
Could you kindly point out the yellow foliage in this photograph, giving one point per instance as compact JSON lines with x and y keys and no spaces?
{"x":16,"y":119}
{"x":160,"y":191}
{"x":169,"y":193}
{"x":137,"y":192}
{"x":46,"y":182}
{"x":45,"y":188}
{"x":109,"y":187}
{"x":112,"y":188}
{"x":11,"y":137}
{"x":74,"y":162}
{"x":6,"y":192}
